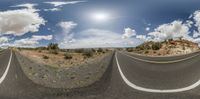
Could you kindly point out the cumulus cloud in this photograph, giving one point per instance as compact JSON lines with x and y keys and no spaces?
{"x":173,"y":30}
{"x":19,"y":22}
{"x":30,"y":42}
{"x":4,"y":39}
{"x":196,"y":34}
{"x":196,"y":17}
{"x":128,"y":32}
{"x":66,"y":35}
{"x":61,"y":3}
{"x":141,"y":37}
{"x":67,"y":26}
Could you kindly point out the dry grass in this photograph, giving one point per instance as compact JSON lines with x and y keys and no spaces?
{"x":59,"y":59}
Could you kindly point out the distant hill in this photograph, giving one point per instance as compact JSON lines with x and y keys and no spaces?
{"x":166,"y":48}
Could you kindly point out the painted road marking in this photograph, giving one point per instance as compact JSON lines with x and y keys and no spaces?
{"x":161,"y":62}
{"x":6,"y":71}
{"x":132,"y":85}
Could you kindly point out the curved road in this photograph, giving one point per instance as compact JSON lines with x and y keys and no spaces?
{"x":112,"y":85}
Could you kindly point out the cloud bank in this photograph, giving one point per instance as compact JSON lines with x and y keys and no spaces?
{"x":20,"y":22}
{"x":30,"y":42}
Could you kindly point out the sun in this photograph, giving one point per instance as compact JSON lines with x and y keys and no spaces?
{"x":100,"y":16}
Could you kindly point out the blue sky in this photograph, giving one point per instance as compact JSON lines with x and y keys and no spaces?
{"x":97,"y":23}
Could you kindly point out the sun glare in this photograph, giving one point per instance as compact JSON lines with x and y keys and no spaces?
{"x":100,"y":16}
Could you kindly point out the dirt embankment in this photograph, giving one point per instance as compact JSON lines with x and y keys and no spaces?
{"x":80,"y":75}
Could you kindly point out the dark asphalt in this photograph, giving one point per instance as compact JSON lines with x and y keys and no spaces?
{"x":160,"y":58}
{"x":4,"y":58}
{"x":111,"y":86}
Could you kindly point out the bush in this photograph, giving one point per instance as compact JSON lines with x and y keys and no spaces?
{"x":146,"y":52}
{"x":53,"y":46}
{"x":156,"y":46}
{"x":53,"y":51}
{"x":79,"y":50}
{"x":100,"y":50}
{"x":87,"y":54}
{"x":45,"y":57}
{"x":67,"y":56}
{"x":129,"y":49}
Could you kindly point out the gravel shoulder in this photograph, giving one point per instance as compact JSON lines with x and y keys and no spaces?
{"x":81,"y":75}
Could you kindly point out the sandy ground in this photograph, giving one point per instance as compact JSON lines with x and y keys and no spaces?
{"x":58,"y":60}
{"x":81,"y":73}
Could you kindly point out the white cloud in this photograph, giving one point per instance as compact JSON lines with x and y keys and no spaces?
{"x":128,"y":32}
{"x":41,"y":37}
{"x":30,"y":42}
{"x":66,"y":35}
{"x":53,"y":9}
{"x":26,"y":5}
{"x":67,"y":26}
{"x":197,"y":19}
{"x":196,"y":34}
{"x":147,"y":28}
{"x":19,"y":22}
{"x":172,"y":30}
{"x":4,"y":39}
{"x":99,"y":38}
{"x":189,"y":23}
{"x":141,"y":37}
{"x":61,"y":3}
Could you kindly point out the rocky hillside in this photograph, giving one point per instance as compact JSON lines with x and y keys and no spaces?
{"x":166,"y":48}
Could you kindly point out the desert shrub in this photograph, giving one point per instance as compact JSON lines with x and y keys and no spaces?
{"x":93,"y":50}
{"x":100,"y":50}
{"x":79,"y":50}
{"x":19,"y":49}
{"x":53,"y":46}
{"x":156,"y":46}
{"x":45,"y":57}
{"x":87,"y":54}
{"x":67,"y":56}
{"x":184,"y":48}
{"x":129,"y":49}
{"x":146,"y":52}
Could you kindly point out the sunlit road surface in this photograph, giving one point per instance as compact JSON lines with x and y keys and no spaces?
{"x":128,"y":77}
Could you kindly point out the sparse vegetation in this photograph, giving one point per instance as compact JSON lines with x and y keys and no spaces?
{"x":53,"y":51}
{"x":67,"y":56}
{"x":87,"y":54}
{"x":52,"y":54}
{"x":129,"y":49}
{"x":167,"y":47}
{"x":45,"y":57}
{"x":53,"y":48}
{"x":156,"y":46}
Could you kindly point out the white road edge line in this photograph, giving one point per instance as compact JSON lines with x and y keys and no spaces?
{"x":162,"y":62}
{"x":6,"y":71}
{"x":153,"y":90}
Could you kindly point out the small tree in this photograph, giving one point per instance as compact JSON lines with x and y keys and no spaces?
{"x":67,"y":56}
{"x":87,"y":54}
{"x":53,"y":46}
{"x":100,"y":50}
{"x":156,"y":46}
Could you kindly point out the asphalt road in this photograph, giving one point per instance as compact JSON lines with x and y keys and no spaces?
{"x":126,"y":78}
